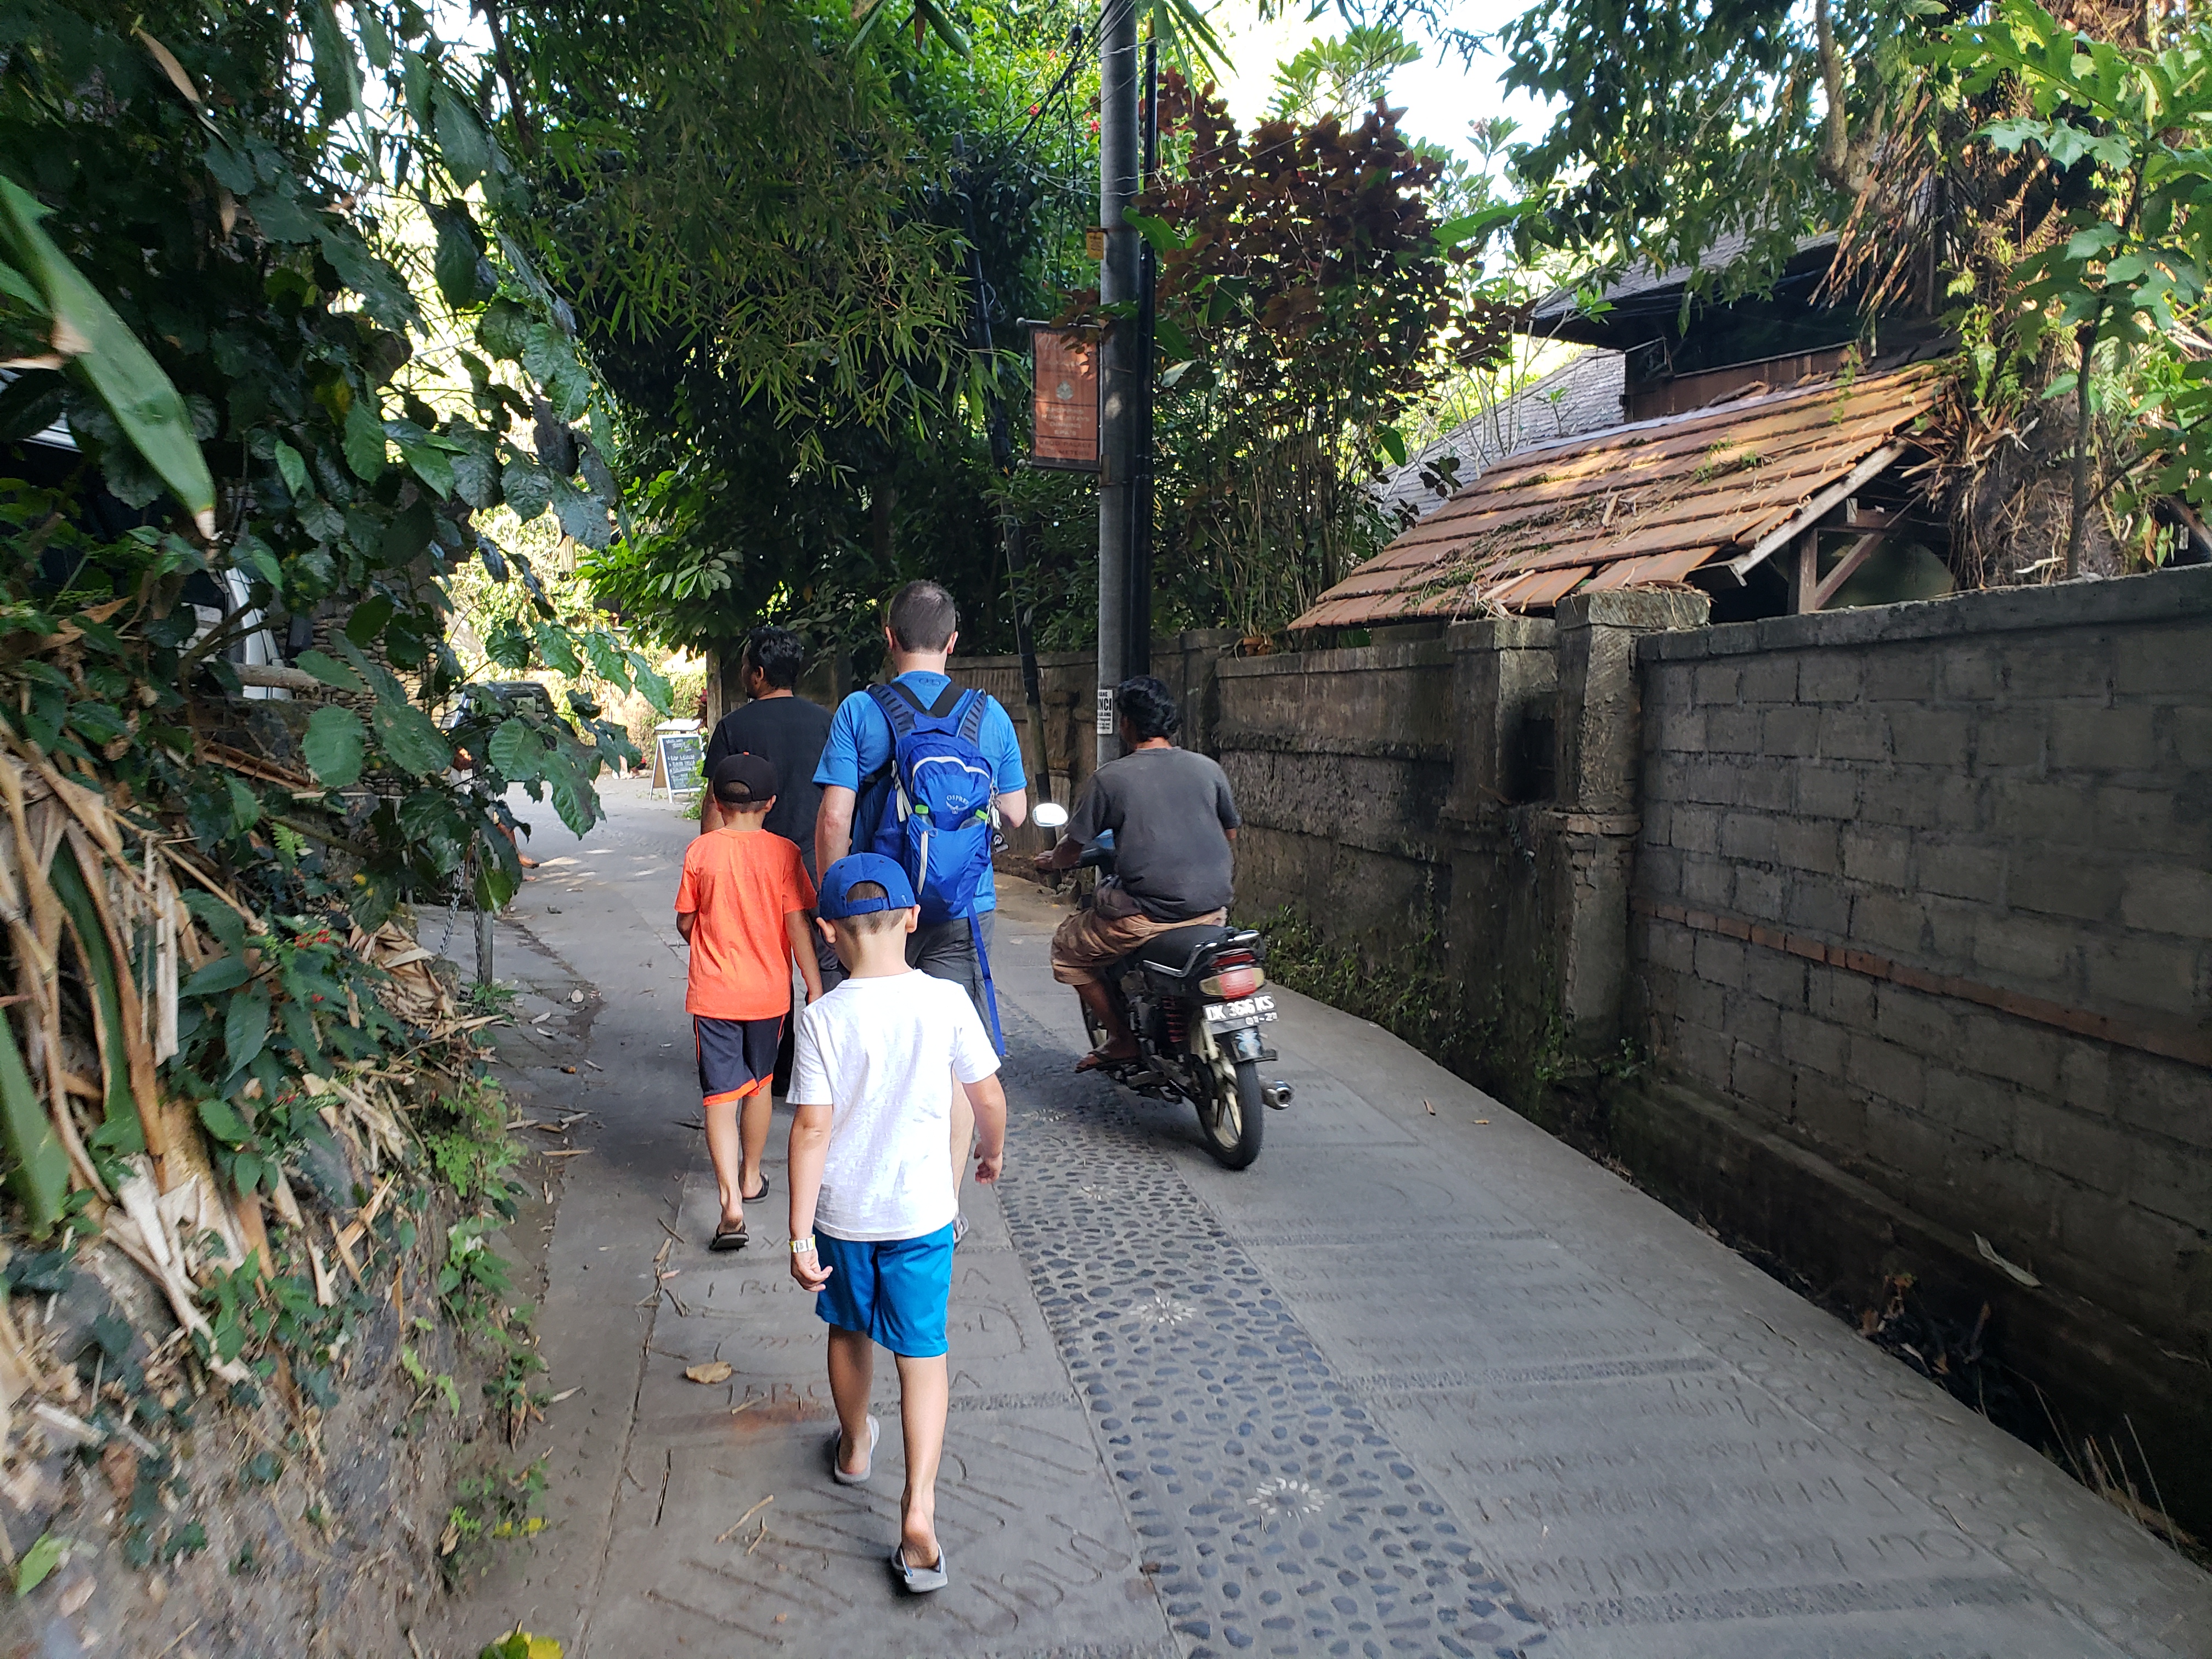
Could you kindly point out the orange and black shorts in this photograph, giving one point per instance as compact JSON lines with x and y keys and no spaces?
{"x":736,"y":1057}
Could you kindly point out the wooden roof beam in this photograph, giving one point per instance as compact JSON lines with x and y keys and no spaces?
{"x":1817,"y":509}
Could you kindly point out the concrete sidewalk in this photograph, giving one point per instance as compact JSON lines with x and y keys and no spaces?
{"x":1417,"y":1381}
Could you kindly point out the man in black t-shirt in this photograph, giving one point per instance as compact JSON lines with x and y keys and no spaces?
{"x":789,"y":732}
{"x":784,"y":729}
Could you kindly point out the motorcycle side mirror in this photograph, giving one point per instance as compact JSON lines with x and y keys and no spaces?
{"x":1050,"y":815}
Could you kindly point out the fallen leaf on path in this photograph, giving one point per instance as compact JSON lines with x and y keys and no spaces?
{"x":1432,"y":1110}
{"x":564,"y":1394}
{"x":714,"y":1370}
{"x":595,"y":1065}
{"x":570,"y":1070}
{"x":1482,"y":1120}
{"x":573,"y":1151}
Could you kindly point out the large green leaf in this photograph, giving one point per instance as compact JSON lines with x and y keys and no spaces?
{"x":558,"y":648}
{"x":337,"y":71}
{"x":529,"y":487}
{"x":582,"y":516}
{"x":41,"y":1173}
{"x":409,"y":739}
{"x":246,"y":1026}
{"x":517,"y":751}
{"x":364,"y":438}
{"x":334,"y":746}
{"x":223,"y":973}
{"x":463,"y":145}
{"x":329,"y":670}
{"x":455,"y":264}
{"x":124,"y":374}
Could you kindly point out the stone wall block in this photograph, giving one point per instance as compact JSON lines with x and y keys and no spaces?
{"x":1830,"y":676}
{"x":2088,"y":739}
{"x":1932,"y":737}
{"x":1888,"y":1070}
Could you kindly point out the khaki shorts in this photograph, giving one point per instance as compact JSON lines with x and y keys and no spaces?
{"x":1087,"y":941}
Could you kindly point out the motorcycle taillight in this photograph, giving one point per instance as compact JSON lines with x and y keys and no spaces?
{"x":1235,"y":976}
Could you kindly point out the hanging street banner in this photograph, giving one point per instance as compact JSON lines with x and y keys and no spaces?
{"x":1065,"y":406}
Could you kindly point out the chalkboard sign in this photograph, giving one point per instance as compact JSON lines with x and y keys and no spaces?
{"x":676,"y":761}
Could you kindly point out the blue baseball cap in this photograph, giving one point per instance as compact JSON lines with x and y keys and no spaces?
{"x":833,"y":898}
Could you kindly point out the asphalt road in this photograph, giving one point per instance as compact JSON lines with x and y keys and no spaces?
{"x":1422,"y":1381}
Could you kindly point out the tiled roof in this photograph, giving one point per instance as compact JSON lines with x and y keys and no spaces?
{"x":1637,"y":504}
{"x":1580,"y":395}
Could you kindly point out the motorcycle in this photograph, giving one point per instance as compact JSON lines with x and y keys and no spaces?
{"x":1193,"y":998}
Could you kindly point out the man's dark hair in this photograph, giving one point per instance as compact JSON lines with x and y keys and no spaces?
{"x":1148,"y":708}
{"x":922,"y":616}
{"x":779,"y":654}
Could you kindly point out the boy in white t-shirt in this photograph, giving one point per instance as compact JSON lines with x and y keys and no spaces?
{"x":871,"y":1193}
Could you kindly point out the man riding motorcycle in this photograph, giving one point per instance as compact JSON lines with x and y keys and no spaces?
{"x":1174,"y":824}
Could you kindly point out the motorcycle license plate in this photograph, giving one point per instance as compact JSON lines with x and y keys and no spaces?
{"x":1246,"y":1011}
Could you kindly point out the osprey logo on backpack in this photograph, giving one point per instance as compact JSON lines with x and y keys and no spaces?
{"x":935,"y":816}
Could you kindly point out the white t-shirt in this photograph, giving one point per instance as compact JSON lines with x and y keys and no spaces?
{"x":882,"y":1052}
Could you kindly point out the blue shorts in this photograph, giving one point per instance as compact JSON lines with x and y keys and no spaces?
{"x":895,"y":1289}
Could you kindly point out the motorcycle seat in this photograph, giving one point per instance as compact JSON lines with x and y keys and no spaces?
{"x":1173,"y":952}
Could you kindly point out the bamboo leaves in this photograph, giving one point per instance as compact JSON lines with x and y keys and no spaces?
{"x":41,"y":1176}
{"x":95,"y":344}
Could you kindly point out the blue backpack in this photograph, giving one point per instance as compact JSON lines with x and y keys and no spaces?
{"x":931,"y":807}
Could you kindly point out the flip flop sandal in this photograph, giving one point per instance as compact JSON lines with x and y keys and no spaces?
{"x":729,"y":1238}
{"x":1099,"y":1061}
{"x":919,"y":1581}
{"x":837,"y":1445}
{"x":755,"y":1198}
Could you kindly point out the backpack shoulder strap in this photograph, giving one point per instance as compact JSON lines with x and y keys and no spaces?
{"x":973,"y":705}
{"x":898,"y":706}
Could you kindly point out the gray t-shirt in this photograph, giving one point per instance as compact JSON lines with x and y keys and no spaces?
{"x":1168,"y":809}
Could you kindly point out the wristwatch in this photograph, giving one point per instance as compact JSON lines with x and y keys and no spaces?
{"x":803,"y":1246}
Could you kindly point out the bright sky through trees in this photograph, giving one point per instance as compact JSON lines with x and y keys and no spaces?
{"x":1440,"y":97}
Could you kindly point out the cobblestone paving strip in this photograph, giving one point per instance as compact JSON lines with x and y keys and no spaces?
{"x":1274,"y":1514}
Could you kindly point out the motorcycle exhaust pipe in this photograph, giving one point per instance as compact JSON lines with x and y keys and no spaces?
{"x":1277,"y":1095}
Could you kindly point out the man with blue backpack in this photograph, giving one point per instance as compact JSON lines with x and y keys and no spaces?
{"x":923,"y":772}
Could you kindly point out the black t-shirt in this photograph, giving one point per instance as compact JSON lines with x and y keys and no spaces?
{"x":1169,"y":810}
{"x":788,"y":733}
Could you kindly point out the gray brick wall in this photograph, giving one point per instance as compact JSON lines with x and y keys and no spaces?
{"x":1340,"y":761}
{"x":2009,"y":790}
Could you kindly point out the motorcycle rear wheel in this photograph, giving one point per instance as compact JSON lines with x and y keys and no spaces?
{"x":1233,"y":1117}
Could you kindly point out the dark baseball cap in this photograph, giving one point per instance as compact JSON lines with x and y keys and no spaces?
{"x":834,"y":899}
{"x":743,"y":780}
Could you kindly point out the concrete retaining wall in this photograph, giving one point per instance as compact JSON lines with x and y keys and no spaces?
{"x":1927,"y":890}
{"x":1907,"y":912}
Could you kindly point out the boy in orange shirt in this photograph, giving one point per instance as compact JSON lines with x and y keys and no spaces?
{"x":742,"y":908}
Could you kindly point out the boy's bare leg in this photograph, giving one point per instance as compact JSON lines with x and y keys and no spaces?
{"x":753,"y":1123}
{"x":852,"y":1375}
{"x":725,"y":1148}
{"x":924,"y":1392}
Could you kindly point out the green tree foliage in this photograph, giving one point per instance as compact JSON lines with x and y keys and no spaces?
{"x":2120,"y":278}
{"x":1308,"y":303}
{"x":773,"y":243}
{"x":1681,"y":127}
{"x":221,"y":182}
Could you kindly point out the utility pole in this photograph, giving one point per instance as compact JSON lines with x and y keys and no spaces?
{"x":1137,"y":647}
{"x":1121,"y":367}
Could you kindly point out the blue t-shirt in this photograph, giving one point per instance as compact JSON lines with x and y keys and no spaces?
{"x":860,"y":741}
